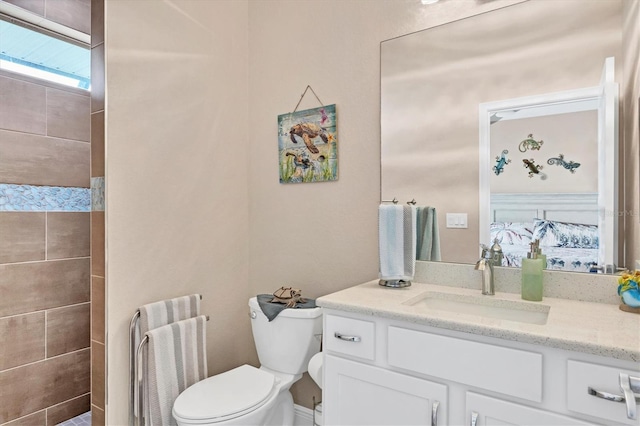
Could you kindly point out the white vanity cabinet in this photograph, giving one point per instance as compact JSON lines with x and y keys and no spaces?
{"x":365,"y":395}
{"x":380,"y":371}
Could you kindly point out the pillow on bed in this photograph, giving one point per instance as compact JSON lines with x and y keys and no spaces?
{"x":512,"y":233}
{"x":563,"y":234}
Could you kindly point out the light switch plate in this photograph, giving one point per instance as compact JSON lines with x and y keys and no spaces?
{"x":457,"y":220}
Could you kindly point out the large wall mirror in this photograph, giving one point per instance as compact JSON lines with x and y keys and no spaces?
{"x":502,"y":118}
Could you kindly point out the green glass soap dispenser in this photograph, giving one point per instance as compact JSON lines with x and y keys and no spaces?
{"x":532,"y":268}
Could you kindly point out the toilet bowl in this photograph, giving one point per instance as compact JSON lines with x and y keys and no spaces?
{"x":247,"y":395}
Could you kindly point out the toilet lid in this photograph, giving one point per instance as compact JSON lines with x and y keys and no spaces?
{"x":232,"y":392}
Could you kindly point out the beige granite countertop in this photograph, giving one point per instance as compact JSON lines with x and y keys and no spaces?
{"x":594,"y":328}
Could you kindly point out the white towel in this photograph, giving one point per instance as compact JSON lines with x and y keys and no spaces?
{"x":397,"y":240}
{"x":176,"y":359}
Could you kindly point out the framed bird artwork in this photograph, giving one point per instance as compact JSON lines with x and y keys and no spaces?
{"x":308,"y":145}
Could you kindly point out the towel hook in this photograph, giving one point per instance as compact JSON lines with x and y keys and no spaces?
{"x":412,"y":202}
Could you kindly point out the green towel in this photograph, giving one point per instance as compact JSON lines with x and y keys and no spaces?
{"x":428,"y":239}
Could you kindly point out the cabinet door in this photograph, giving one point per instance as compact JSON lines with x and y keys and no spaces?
{"x":360,"y":394}
{"x":485,"y":411}
{"x":582,"y":376}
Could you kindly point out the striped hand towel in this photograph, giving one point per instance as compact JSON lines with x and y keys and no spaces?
{"x":397,"y":239}
{"x":158,"y":314}
{"x":165,"y":312}
{"x":176,"y":360}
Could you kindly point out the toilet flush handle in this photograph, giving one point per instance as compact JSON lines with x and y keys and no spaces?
{"x":253,"y":314}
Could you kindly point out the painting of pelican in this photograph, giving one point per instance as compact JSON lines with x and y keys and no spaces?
{"x":308,"y":145}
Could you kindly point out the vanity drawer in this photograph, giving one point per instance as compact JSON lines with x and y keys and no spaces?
{"x":350,"y":336}
{"x":509,"y":371}
{"x":582,"y":375}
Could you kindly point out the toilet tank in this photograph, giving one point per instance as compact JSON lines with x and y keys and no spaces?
{"x":287,"y":343}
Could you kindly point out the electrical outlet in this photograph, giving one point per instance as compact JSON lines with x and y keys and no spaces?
{"x":457,"y":220}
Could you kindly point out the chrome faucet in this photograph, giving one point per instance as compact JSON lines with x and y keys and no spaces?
{"x":485,"y":264}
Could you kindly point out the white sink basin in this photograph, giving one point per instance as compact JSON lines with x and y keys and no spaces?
{"x":483,"y":306}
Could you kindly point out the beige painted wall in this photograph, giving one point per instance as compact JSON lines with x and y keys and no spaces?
{"x":176,"y":173}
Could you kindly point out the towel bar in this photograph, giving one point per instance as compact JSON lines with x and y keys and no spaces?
{"x":132,"y":366}
{"x":395,"y":201}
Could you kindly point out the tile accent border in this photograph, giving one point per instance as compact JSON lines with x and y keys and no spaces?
{"x":97,"y":194}
{"x":32,"y":198}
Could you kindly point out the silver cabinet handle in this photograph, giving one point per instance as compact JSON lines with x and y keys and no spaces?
{"x":605,"y":395}
{"x":474,"y":418}
{"x":346,"y":338}
{"x":610,"y":396}
{"x":629,"y":397}
{"x":434,"y":413}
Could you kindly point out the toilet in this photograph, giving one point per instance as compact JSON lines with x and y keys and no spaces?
{"x":257,"y":396}
{"x":315,"y":371}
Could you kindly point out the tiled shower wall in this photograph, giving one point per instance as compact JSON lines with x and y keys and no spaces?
{"x":44,"y":241}
{"x":44,"y":252}
{"x":97,"y":216}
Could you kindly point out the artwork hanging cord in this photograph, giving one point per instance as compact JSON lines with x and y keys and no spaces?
{"x":308,"y":144}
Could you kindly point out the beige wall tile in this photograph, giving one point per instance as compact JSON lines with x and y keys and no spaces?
{"x":35,"y":6}
{"x":97,"y":374}
{"x":97,"y":22}
{"x":22,"y":338}
{"x":97,"y":78}
{"x":97,"y":244}
{"x":22,"y":236}
{"x":68,"y":235}
{"x":25,"y":390}
{"x":23,"y":106}
{"x":74,"y":14}
{"x":68,"y":115}
{"x":28,"y":287}
{"x":38,"y":418}
{"x":97,"y":144}
{"x":68,"y":329}
{"x":68,"y":409}
{"x":39,"y":160}
{"x":97,"y":416}
{"x":97,"y":309}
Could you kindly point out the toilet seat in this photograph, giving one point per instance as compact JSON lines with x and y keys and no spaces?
{"x":225,"y":396}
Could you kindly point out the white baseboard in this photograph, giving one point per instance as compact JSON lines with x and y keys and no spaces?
{"x":303,"y":416}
